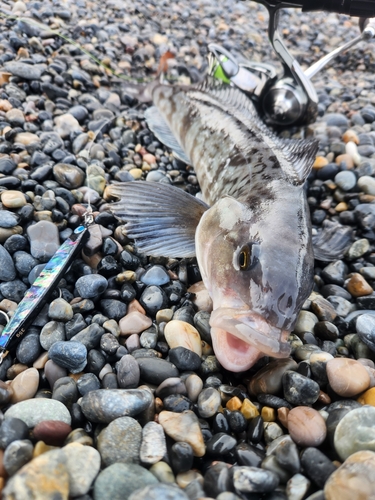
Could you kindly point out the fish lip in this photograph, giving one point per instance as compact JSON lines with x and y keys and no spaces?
{"x":253,"y":330}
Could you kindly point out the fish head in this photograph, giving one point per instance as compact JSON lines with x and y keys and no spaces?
{"x":257,"y":278}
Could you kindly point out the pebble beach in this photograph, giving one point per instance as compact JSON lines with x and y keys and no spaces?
{"x":115,"y":392}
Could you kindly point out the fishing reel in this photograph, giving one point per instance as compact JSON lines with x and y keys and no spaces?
{"x":289,"y":99}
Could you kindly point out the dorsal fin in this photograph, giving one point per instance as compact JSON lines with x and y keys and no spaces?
{"x":159,"y":127}
{"x":296,"y":157}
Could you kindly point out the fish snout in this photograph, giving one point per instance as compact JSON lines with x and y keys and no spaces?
{"x":240,"y":338}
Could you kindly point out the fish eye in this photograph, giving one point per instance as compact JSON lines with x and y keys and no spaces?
{"x":248,"y":256}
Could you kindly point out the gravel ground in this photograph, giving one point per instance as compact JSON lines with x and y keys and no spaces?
{"x":136,"y":406}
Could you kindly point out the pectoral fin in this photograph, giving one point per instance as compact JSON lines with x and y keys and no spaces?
{"x":161,"y":218}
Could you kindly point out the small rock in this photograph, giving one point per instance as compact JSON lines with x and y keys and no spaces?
{"x":355,"y":432}
{"x":120,"y":441}
{"x":184,"y":427}
{"x":347,"y":377}
{"x":44,"y":240}
{"x":134,"y":322}
{"x":153,"y":447}
{"x":306,"y":426}
{"x":179,"y":333}
{"x":33,"y":411}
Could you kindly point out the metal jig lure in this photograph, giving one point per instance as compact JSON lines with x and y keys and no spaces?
{"x":43,"y":286}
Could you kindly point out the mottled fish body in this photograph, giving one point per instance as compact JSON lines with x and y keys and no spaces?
{"x":251,"y":232}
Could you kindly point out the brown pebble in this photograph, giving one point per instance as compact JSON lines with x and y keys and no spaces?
{"x":52,"y":432}
{"x":306,"y":426}
{"x":234,"y":404}
{"x":158,"y":405}
{"x":25,"y":385}
{"x":134,"y":322}
{"x":134,"y":305}
{"x":350,"y":135}
{"x":282,"y":415}
{"x":15,"y":370}
{"x":347,"y":159}
{"x":358,"y":286}
{"x":347,"y":377}
{"x":268,"y":414}
{"x":324,"y":398}
{"x":354,"y":479}
{"x":320,"y":162}
{"x":202,"y":298}
{"x":3,"y":472}
{"x":41,"y":447}
{"x":13,"y":199}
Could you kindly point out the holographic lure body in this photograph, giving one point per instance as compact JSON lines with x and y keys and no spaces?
{"x":41,"y":289}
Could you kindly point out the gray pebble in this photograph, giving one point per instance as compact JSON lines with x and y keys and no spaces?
{"x":128,"y":372}
{"x":33,"y":411}
{"x":52,"y":332}
{"x":153,"y":447}
{"x":159,"y":492}
{"x":70,"y":355}
{"x":155,"y":275}
{"x":346,"y":180}
{"x":91,"y":285}
{"x":120,"y":441}
{"x":119,"y":481}
{"x":8,"y":219}
{"x":103,"y":406}
{"x":17,"y":454}
{"x":355,"y":432}
{"x":7,"y":269}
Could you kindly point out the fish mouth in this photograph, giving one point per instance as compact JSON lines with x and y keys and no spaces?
{"x":240,"y":338}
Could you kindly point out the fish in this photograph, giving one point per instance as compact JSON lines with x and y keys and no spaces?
{"x":250,"y":228}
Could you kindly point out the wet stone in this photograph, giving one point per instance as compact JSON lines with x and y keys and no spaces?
{"x":173,"y":385}
{"x":268,"y":380}
{"x":88,"y":382}
{"x":7,"y":269}
{"x":335,"y":273}
{"x":13,"y":290}
{"x":37,"y":410}
{"x":153,"y":299}
{"x":25,"y":385}
{"x":182,"y":334}
{"x":194,"y":385}
{"x":306,"y":426}
{"x":8,"y":219}
{"x":44,"y":240}
{"x":365,"y":326}
{"x":52,"y":432}
{"x":209,"y":401}
{"x":181,"y":457}
{"x":53,"y":372}
{"x":47,"y":471}
{"x":159,"y":492}
{"x":120,"y":480}
{"x":355,"y":432}
{"x":103,"y":406}
{"x":317,"y":466}
{"x":65,"y":391}
{"x":60,"y":310}
{"x":68,"y":176}
{"x":90,"y":336}
{"x":353,"y":479}
{"x":347,"y":377}
{"x":120,"y":441}
{"x":254,"y":480}
{"x":52,"y":332}
{"x":91,"y":285}
{"x":29,"y":349}
{"x":155,"y":275}
{"x":128,"y":372}
{"x":299,"y":390}
{"x":156,"y":370}
{"x":183,"y":427}
{"x":153,"y":447}
{"x":221,"y":444}
{"x":17,"y":454}
{"x":75,"y":325}
{"x":70,"y":355}
{"x":12,"y":429}
{"x":358,"y":286}
{"x":24,"y":262}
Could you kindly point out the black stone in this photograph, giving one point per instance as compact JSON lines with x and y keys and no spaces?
{"x":153,"y":299}
{"x":29,"y":349}
{"x":127,"y":292}
{"x":65,"y":390}
{"x":255,"y":429}
{"x":220,"y":423}
{"x":95,"y":361}
{"x":247,"y":454}
{"x":317,"y":466}
{"x":113,"y":309}
{"x":237,"y":422}
{"x":13,"y":290}
{"x":108,"y":266}
{"x":129,"y":261}
{"x":15,"y":243}
{"x":287,"y":456}
{"x":273,"y":401}
{"x":109,"y":344}
{"x":87,"y":382}
{"x":181,"y":456}
{"x":177,"y":403}
{"x":184,"y":359}
{"x":75,"y":325}
{"x":90,"y":336}
{"x":326,"y":330}
{"x":299,"y":390}
{"x":110,"y":381}
{"x":221,"y":444}
{"x":217,"y":480}
{"x":156,"y":370}
{"x":11,"y":430}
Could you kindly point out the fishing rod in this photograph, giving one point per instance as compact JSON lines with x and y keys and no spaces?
{"x":288,"y":98}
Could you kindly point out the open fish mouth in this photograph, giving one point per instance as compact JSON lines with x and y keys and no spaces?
{"x":240,"y":338}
